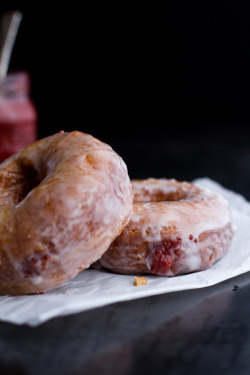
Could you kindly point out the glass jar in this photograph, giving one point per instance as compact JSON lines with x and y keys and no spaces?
{"x":18,"y":115}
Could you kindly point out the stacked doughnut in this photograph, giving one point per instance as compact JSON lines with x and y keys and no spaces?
{"x":66,"y":202}
{"x":63,"y":200}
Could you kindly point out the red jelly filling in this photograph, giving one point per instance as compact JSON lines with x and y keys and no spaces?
{"x":161,"y":256}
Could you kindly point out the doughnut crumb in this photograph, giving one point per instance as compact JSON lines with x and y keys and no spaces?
{"x":139,"y":280}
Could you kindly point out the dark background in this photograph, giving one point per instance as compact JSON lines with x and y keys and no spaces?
{"x":166,"y":84}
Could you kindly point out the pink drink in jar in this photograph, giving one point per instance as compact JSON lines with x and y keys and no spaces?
{"x":18,"y":115}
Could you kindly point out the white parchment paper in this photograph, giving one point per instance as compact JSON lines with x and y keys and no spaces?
{"x":92,"y":288}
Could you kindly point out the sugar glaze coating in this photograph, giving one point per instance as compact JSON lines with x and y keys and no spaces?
{"x":176,"y":228}
{"x":63,"y":200}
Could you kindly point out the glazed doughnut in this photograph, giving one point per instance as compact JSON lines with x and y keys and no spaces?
{"x":63,"y":200}
{"x":176,"y":228}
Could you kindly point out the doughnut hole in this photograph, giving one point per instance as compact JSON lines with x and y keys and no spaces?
{"x":17,"y":180}
{"x":175,"y":191}
{"x":159,"y":196}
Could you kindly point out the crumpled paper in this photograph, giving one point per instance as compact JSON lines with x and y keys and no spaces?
{"x":96,"y":288}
